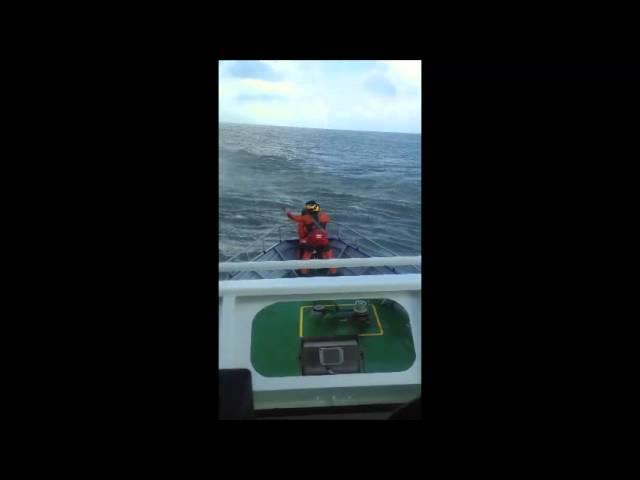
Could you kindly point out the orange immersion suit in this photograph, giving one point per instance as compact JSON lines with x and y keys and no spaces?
{"x":306,"y":226}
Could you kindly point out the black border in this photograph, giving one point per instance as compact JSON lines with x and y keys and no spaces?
{"x":528,"y":239}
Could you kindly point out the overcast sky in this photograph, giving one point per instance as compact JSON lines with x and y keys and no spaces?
{"x":380,"y":96}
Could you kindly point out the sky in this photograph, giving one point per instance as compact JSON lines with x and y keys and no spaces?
{"x":381,"y":96}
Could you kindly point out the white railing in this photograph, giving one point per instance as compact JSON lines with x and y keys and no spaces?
{"x":317,"y":264}
{"x":318,"y":286}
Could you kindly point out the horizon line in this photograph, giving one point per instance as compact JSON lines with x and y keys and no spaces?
{"x":318,"y":128}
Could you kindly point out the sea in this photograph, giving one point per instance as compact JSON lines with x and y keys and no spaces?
{"x":368,"y":181}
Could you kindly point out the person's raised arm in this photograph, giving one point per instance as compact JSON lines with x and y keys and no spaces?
{"x":295,"y":218}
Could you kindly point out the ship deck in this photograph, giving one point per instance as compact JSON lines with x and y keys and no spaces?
{"x":385,"y":339}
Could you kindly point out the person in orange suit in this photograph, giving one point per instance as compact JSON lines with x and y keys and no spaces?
{"x":312,"y":233}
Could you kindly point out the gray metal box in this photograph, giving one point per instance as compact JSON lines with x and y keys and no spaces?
{"x":330,"y":355}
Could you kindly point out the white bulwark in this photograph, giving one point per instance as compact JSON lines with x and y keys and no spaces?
{"x":241,"y":300}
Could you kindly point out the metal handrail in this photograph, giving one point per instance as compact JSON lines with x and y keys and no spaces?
{"x":369,"y":240}
{"x":248,"y":259}
{"x":340,"y":227}
{"x":360,"y":235}
{"x":248,"y":249}
{"x":320,"y":264}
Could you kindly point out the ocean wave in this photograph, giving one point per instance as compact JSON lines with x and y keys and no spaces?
{"x":243,"y":155}
{"x":367,"y":182}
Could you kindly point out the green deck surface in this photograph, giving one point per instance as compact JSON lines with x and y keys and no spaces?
{"x":386,"y":340}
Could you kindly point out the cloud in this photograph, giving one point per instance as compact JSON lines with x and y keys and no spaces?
{"x":347,"y":67}
{"x":350,"y":95}
{"x":408,"y":70}
{"x":406,"y":74}
{"x":257,"y":97}
{"x":380,"y":85}
{"x":253,"y":69}
{"x":255,"y":85}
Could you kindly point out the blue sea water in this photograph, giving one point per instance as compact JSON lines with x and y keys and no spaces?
{"x":369,"y":181}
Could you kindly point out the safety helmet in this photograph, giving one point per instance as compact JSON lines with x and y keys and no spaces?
{"x":311,"y":206}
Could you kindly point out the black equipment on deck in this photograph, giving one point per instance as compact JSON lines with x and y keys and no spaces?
{"x":330,"y":355}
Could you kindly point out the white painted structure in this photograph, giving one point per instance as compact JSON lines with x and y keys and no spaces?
{"x":317,"y":264}
{"x":241,"y":300}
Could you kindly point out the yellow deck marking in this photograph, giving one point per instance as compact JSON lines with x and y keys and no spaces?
{"x":301,"y":320}
{"x":375,"y":312}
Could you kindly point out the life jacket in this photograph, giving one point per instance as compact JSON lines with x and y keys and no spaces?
{"x":317,"y":235}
